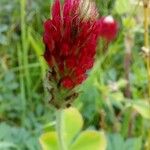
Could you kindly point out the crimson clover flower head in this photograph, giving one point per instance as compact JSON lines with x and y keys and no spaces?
{"x":70,"y":39}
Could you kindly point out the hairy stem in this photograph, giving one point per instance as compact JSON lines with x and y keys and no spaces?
{"x":59,"y":128}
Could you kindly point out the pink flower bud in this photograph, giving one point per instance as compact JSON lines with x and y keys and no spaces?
{"x":109,"y":28}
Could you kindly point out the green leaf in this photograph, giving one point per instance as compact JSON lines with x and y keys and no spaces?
{"x":133,"y":144}
{"x":122,"y":83}
{"x":49,"y":127}
{"x":3,"y":39}
{"x":72,"y":124}
{"x":3,"y":28}
{"x":122,"y":6}
{"x":115,"y":142}
{"x":117,"y":96}
{"x":38,"y":48}
{"x":49,"y":141}
{"x":6,"y":145}
{"x":90,"y":140}
{"x":129,"y":23}
{"x":142,"y":107}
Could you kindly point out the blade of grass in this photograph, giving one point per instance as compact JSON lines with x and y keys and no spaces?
{"x":24,"y":43}
{"x":38,"y":48}
{"x":22,"y":84}
{"x":22,"y":67}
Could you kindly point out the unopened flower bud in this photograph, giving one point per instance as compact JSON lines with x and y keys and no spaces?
{"x":109,"y":28}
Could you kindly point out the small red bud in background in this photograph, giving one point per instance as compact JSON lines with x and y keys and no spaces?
{"x":109,"y":28}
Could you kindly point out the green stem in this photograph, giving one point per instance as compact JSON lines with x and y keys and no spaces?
{"x":22,"y":85}
{"x":126,"y":128}
{"x":146,"y":40}
{"x":24,"y":42}
{"x":59,"y":126}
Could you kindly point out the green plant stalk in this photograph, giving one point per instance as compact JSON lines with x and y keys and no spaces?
{"x":21,"y":67}
{"x":125,"y":125}
{"x":59,"y":129}
{"x":21,"y":58}
{"x":147,"y":147}
{"x":146,"y":40}
{"x":22,"y":85}
{"x":24,"y":43}
{"x":146,"y":45}
{"x":38,"y":50}
{"x":23,"y":27}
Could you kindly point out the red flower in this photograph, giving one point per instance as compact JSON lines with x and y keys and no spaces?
{"x":109,"y":28}
{"x":70,"y":38}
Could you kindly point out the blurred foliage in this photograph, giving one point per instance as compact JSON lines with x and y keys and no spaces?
{"x":24,"y":108}
{"x":73,"y":137}
{"x":116,"y":142}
